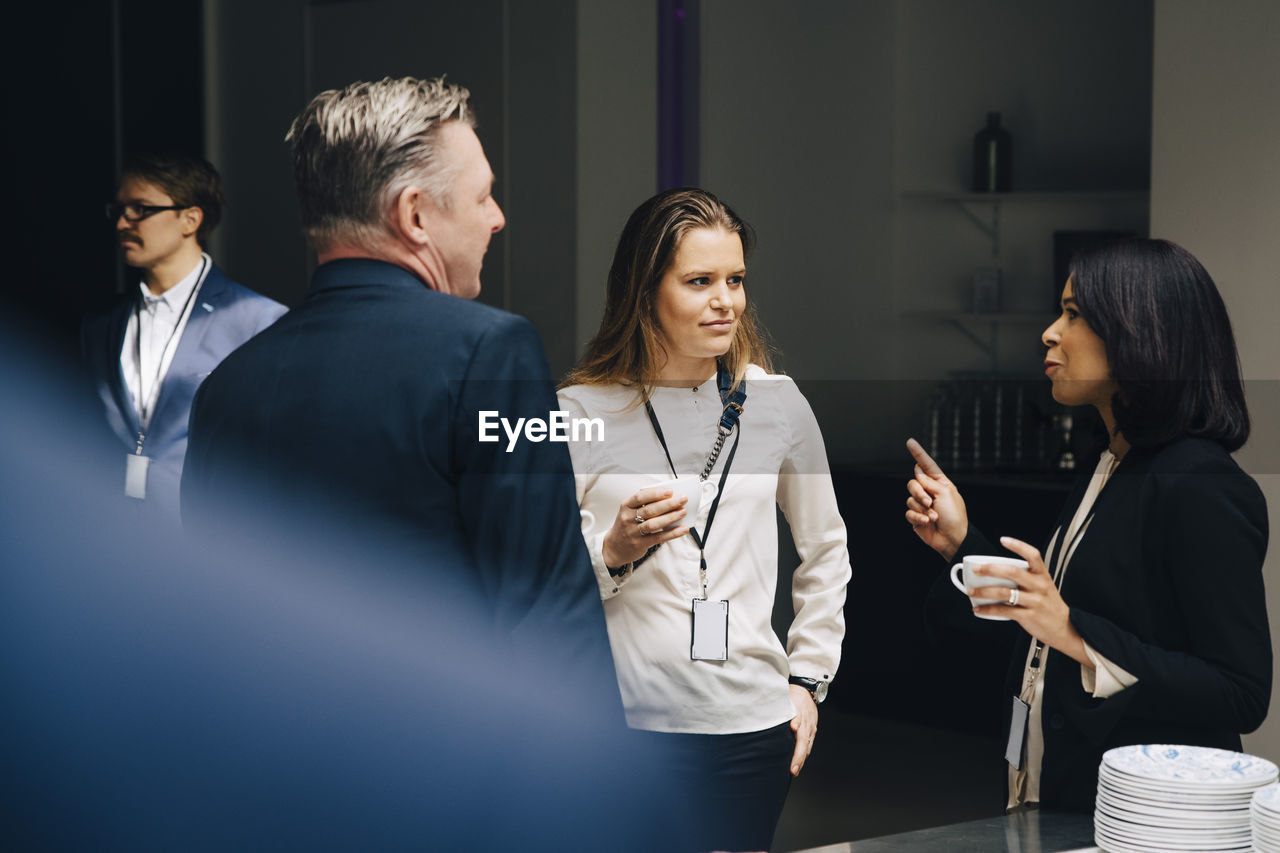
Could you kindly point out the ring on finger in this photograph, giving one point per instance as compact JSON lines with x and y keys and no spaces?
{"x":639,"y":517}
{"x":1014,"y":595}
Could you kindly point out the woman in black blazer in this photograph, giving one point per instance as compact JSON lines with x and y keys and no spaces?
{"x":1156,"y":630}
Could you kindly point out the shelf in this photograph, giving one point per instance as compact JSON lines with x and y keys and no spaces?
{"x":972,"y":317}
{"x":1056,"y":197}
{"x":1013,"y":478}
{"x":990,"y":344}
{"x":990,"y":226}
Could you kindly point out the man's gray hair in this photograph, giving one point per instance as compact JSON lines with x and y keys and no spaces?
{"x":356,"y":149}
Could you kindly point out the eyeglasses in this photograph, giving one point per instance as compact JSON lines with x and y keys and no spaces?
{"x":137,"y":212}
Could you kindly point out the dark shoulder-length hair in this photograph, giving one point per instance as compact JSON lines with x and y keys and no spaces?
{"x":628,"y":348}
{"x":1168,"y":342}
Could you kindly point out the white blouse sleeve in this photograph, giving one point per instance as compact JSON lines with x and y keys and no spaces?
{"x":584,"y":475}
{"x":808,"y":500}
{"x":1107,"y":678}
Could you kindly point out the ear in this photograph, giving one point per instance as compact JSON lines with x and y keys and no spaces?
{"x":192,"y":218}
{"x":412,"y":214}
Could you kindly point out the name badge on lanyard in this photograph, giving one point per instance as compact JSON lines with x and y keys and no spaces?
{"x":1016,"y":748}
{"x":135,"y":475}
{"x":710,"y":630}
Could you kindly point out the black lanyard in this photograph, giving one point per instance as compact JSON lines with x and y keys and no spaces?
{"x":145,"y":412}
{"x":733,"y":403}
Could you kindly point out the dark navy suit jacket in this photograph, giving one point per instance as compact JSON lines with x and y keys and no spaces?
{"x":261,"y":692}
{"x":224,"y":316}
{"x":358,"y":412}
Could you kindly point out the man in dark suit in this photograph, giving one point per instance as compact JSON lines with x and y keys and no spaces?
{"x":361,"y":408}
{"x":147,"y":355}
{"x":264,"y":692}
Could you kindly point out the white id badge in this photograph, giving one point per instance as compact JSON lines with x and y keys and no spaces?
{"x":1017,"y":733}
{"x":710,"y":630}
{"x":135,"y":475}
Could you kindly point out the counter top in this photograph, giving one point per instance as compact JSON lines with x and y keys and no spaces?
{"x":1024,"y":832}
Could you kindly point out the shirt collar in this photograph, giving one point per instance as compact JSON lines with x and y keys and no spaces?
{"x":177,"y":295}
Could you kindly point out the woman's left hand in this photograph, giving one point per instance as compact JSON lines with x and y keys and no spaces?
{"x":804,"y":724}
{"x":1035,"y":604}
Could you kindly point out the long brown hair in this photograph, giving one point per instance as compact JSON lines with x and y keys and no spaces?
{"x":628,"y":348}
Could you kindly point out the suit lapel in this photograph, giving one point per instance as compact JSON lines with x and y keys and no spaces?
{"x":208,"y":299}
{"x":114,"y":369}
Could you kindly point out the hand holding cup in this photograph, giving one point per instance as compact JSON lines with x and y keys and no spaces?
{"x":1037,"y":605}
{"x":649,"y":517}
{"x":987,"y":592}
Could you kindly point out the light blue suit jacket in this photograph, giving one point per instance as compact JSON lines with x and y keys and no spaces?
{"x":224,"y":316}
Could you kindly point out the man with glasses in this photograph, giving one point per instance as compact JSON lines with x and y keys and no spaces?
{"x":148,"y":354}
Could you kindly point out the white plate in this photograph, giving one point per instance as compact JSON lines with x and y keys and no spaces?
{"x":1193,"y":767}
{"x":1164,"y":808}
{"x":1268,"y":799}
{"x":1159,"y":800}
{"x":1150,"y":787}
{"x":1153,"y":816}
{"x":1174,"y":834}
{"x":1118,"y":844}
{"x":1212,"y":836}
{"x":1240,"y":796}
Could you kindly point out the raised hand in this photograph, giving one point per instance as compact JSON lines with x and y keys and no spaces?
{"x":935,"y":510}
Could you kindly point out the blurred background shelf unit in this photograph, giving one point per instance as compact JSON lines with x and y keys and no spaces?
{"x":983,"y":329}
{"x":961,"y":245}
{"x":984,"y":209}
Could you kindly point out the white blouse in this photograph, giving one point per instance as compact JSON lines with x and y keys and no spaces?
{"x":781,"y":458}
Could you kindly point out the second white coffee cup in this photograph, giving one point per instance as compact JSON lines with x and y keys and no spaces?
{"x":972,"y":581}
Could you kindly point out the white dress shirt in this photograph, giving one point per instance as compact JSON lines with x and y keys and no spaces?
{"x":153,"y":332}
{"x":781,"y":459}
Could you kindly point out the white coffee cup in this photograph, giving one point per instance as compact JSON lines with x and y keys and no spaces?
{"x":972,"y":581}
{"x":692,"y":488}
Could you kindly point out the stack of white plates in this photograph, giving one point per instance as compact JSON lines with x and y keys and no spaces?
{"x":1170,"y":798}
{"x":1265,"y":816}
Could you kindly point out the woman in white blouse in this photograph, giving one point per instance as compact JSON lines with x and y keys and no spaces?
{"x":676,"y":359}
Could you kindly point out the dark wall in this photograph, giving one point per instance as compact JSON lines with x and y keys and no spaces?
{"x":518,"y":60}
{"x":88,"y":86}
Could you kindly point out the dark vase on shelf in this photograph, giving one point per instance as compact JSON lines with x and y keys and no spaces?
{"x":992,"y":157}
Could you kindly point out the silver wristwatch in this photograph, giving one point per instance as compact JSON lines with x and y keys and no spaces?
{"x":816,"y":688}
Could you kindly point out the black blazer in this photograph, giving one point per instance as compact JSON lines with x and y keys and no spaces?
{"x":1166,"y":583}
{"x":356,"y":418}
